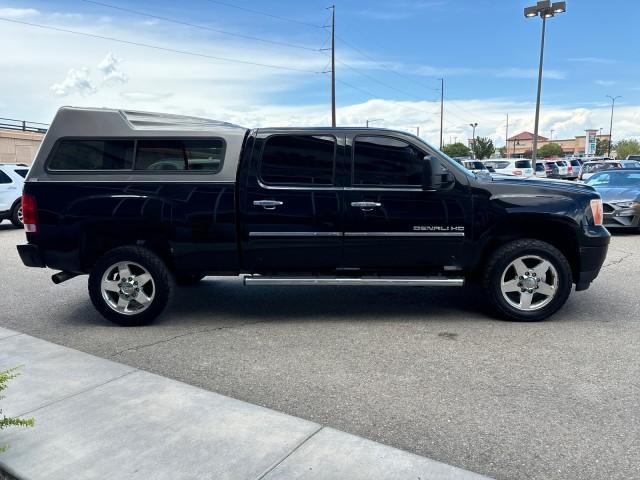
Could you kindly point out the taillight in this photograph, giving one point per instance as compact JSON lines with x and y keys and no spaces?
{"x":517,"y":172}
{"x":596,"y":210}
{"x":570,"y":169}
{"x":29,"y":213}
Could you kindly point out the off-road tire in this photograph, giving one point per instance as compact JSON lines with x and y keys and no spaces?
{"x":154,"y":265}
{"x":507,"y":253}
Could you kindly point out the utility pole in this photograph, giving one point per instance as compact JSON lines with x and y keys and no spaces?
{"x":551,"y":135}
{"x":441,"y":109}
{"x":333,"y":65}
{"x":417,"y":131}
{"x":613,"y":104}
{"x":473,"y":139}
{"x":506,"y":138}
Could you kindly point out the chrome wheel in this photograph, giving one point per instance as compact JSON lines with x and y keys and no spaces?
{"x":20,"y":214}
{"x":529,"y":283}
{"x":127,"y":288}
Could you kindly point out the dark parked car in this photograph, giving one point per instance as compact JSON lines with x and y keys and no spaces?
{"x":140,"y":200}
{"x":620,"y":191}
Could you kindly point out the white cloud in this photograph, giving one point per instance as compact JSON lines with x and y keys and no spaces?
{"x":18,"y":13}
{"x":109,"y":68}
{"x":596,"y":60}
{"x":145,"y":96}
{"x":605,"y":83}
{"x":76,"y":81}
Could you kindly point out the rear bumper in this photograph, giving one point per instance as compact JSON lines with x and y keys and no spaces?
{"x":31,"y":256}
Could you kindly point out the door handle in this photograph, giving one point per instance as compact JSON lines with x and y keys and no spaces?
{"x":366,"y":206}
{"x":268,"y":204}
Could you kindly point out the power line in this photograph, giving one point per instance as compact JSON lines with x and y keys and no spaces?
{"x":380,"y":64}
{"x":201,"y":27}
{"x":258,"y":12}
{"x":156,"y":47}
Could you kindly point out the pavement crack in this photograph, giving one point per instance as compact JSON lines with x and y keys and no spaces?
{"x":618,"y":261}
{"x":170,"y":339}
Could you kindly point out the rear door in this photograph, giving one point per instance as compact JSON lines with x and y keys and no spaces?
{"x":393,"y":224}
{"x":292,"y":202}
{"x":9,"y":191}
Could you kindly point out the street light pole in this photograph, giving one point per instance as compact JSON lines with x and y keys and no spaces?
{"x":473,"y":139}
{"x":544,"y":9}
{"x":613,"y":104}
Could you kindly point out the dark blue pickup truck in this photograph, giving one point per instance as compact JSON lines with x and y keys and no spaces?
{"x":142,"y":202}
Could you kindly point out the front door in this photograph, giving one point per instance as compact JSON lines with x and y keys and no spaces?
{"x":292,"y":204}
{"x":391,"y":222}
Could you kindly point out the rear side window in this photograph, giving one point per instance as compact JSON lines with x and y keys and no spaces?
{"x":92,"y":155}
{"x":196,"y":155}
{"x":22,"y":172}
{"x":523,"y":163}
{"x":298,"y":160}
{"x":4,"y":178}
{"x":386,"y":161}
{"x":497,"y":164}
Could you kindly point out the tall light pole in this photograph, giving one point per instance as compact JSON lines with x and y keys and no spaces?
{"x":473,"y":139}
{"x":545,"y":9}
{"x":333,"y":65}
{"x":374,"y":120}
{"x":613,"y":104}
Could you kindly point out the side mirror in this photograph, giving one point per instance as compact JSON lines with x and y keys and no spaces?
{"x":431,"y":173}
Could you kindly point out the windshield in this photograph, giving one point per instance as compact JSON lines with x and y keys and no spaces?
{"x":596,"y":167}
{"x":615,"y":179}
{"x":523,"y":163}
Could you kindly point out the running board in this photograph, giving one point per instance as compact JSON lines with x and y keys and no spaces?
{"x":373,"y":281}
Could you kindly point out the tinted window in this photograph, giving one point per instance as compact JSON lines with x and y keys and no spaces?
{"x":4,"y":178}
{"x":196,"y":155}
{"x":298,"y":160}
{"x":93,"y":155}
{"x":523,"y":163}
{"x":386,"y":161}
{"x":22,"y":172}
{"x":496,"y":164}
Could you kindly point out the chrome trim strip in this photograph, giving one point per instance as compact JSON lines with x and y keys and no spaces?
{"x":404,"y":234}
{"x":295,"y":234}
{"x":371,"y":281}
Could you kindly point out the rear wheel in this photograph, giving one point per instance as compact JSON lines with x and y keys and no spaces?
{"x":16,"y":215}
{"x":527,"y":280}
{"x":130,"y":286}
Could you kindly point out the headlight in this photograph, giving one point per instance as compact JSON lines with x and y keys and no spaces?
{"x":596,"y":211}
{"x":623,"y":204}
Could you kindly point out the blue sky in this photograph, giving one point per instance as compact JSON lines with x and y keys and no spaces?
{"x":486,"y":51}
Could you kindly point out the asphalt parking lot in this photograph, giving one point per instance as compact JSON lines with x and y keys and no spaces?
{"x":424,"y":370}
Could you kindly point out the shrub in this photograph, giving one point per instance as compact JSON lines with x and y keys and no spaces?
{"x":6,"y":422}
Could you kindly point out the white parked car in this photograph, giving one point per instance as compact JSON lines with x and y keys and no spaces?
{"x":520,"y":167}
{"x":11,"y":181}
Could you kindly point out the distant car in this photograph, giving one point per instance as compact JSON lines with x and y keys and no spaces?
{"x":634,"y":157}
{"x":520,"y":167}
{"x":590,"y":168}
{"x":574,"y":168}
{"x":475,"y":166}
{"x":552,"y":169}
{"x":540,"y":170}
{"x":620,"y":192}
{"x":11,"y":181}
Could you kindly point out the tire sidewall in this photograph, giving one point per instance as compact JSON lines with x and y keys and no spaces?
{"x":14,"y":215}
{"x":162,"y":279}
{"x":504,"y":256}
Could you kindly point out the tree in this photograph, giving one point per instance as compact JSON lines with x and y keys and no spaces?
{"x":456,"y":150}
{"x":503,"y":152}
{"x":550,"y":150}
{"x":602,"y":147}
{"x":624,"y":148}
{"x":483,"y":148}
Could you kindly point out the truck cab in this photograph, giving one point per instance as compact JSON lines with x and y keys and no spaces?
{"x":142,"y":202}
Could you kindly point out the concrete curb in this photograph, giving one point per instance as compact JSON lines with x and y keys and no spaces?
{"x":100,"y":419}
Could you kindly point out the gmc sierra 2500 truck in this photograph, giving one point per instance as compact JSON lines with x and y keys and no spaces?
{"x":143,"y":201}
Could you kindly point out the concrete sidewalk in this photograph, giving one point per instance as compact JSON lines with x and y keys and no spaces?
{"x":98,"y":419}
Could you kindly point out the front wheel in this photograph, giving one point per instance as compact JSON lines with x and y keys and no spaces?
{"x":130,"y":286}
{"x":527,"y":280}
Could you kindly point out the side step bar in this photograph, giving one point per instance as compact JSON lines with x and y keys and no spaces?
{"x":373,"y":281}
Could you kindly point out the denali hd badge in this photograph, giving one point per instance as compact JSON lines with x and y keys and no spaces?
{"x":437,"y":228}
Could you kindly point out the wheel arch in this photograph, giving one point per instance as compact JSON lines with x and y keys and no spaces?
{"x":560,"y":233}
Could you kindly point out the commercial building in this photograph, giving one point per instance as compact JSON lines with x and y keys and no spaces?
{"x":521,"y":145}
{"x":19,"y":141}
